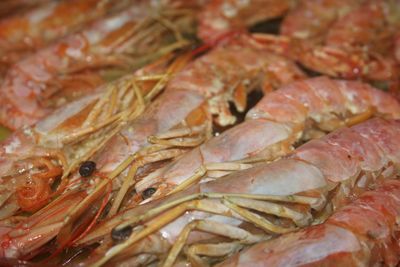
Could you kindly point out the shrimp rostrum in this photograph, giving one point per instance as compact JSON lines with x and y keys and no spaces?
{"x":254,"y":204}
{"x":362,"y":233}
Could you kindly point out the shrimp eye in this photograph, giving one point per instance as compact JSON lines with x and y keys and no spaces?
{"x":148,"y":192}
{"x":121,"y":234}
{"x":87,"y":168}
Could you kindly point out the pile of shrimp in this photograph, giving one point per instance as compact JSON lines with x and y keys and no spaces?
{"x":199,"y":133}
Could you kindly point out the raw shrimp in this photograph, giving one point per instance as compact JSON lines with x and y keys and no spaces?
{"x":227,"y":73}
{"x":345,"y":39}
{"x":22,"y":34}
{"x":318,"y":177}
{"x":204,"y":88}
{"x":220,"y":17}
{"x":362,"y":233}
{"x":80,"y":62}
{"x":35,"y":156}
{"x":295,"y":112}
{"x":349,"y":39}
{"x":311,"y":19}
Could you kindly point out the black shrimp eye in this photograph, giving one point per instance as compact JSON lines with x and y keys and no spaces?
{"x":121,"y":234}
{"x":148,"y":192}
{"x":87,"y":168}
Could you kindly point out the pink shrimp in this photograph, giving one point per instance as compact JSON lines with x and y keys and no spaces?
{"x":50,"y":218}
{"x":362,"y":233}
{"x":220,"y":17}
{"x":320,"y":37}
{"x":278,"y":121}
{"x":203,"y":88}
{"x":311,"y":19}
{"x":24,"y":33}
{"x":220,"y":76}
{"x":321,"y":175}
{"x":352,"y":41}
{"x":33,"y":159}
{"x":48,"y":149}
{"x":80,"y":62}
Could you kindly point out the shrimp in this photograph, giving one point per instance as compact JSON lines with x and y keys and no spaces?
{"x":219,"y":17}
{"x":351,"y":40}
{"x":32,"y":158}
{"x":24,"y":33}
{"x":80,"y":62}
{"x":282,"y":118}
{"x":311,"y":19}
{"x":362,"y":233}
{"x":50,"y":218}
{"x":288,"y":194}
{"x":203,"y":87}
{"x":319,"y":35}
